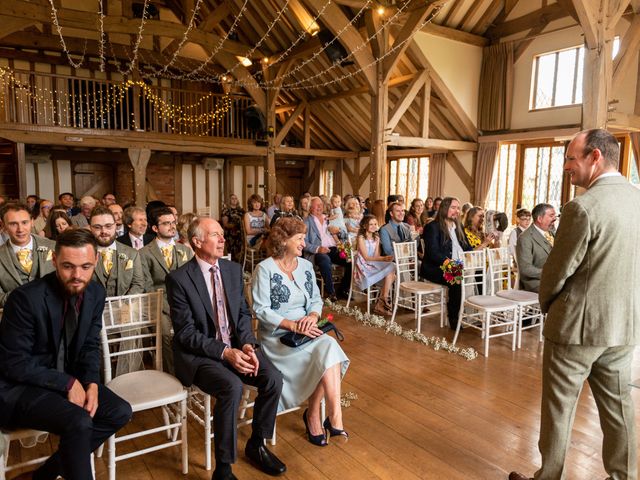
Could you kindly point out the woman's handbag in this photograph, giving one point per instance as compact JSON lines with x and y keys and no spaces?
{"x":292,"y":339}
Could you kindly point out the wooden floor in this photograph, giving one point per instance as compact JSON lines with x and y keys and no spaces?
{"x":420,"y":413}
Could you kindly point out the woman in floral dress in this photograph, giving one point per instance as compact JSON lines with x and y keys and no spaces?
{"x":231,"y":219}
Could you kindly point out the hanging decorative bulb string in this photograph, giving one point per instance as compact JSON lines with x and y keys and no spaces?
{"x":56,"y":24}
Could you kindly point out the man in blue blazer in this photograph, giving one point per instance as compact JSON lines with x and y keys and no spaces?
{"x":50,"y":360}
{"x":321,"y":249}
{"x":395,"y":230}
{"x":215,"y":349}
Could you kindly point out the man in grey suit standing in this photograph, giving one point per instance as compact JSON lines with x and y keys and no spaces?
{"x":534,"y":246}
{"x":589,"y":290}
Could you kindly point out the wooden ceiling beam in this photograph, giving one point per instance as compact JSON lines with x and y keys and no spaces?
{"x":84,"y":20}
{"x":406,"y":100}
{"x":466,"y":22}
{"x":628,"y":53}
{"x":587,"y":17}
{"x":433,"y":143}
{"x":542,"y":16}
{"x":440,"y":87}
{"x":411,"y":25}
{"x":289,"y":123}
{"x":206,"y":26}
{"x":456,"y":35}
{"x":336,"y":21}
{"x":14,"y":24}
{"x":489,"y":17}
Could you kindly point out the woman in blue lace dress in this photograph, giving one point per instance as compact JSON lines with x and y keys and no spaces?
{"x":286,"y":299}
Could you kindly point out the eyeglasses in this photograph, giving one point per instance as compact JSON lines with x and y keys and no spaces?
{"x":168,"y":224}
{"x":99,"y":228}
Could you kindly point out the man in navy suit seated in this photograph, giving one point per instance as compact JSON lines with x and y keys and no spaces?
{"x":50,"y":360}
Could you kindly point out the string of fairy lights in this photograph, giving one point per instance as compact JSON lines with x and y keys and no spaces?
{"x":207,"y":110}
{"x":199,"y":116}
{"x":176,"y":69}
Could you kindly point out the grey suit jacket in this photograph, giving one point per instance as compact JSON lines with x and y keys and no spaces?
{"x":126,"y":270}
{"x":42,"y":264}
{"x":389,"y":236}
{"x":590,"y":285}
{"x":532,"y":251}
{"x":154,"y":267}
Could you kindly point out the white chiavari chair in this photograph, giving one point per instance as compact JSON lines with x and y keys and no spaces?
{"x":493,"y":316}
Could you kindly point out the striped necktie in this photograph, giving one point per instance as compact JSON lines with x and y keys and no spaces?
{"x":218,"y":305}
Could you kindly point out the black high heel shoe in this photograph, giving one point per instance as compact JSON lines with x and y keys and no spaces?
{"x":334,"y":432}
{"x":318,"y":440}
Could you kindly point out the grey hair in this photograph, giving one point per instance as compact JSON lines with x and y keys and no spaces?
{"x":540,"y":210}
{"x":194,"y":230}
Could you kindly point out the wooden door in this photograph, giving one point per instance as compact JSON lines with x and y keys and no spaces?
{"x":9,"y":187}
{"x":290,"y":181}
{"x":93,"y":179}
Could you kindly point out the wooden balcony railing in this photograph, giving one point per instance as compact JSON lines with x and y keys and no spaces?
{"x":54,"y":100}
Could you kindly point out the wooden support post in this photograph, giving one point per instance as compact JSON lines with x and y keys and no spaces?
{"x":379,"y":115}
{"x":22,"y":171}
{"x":270,"y":186}
{"x":139,"y":158}
{"x":307,"y":126}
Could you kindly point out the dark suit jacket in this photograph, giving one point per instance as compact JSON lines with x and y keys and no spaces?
{"x":126,"y":239}
{"x":437,"y":250}
{"x":194,"y":341}
{"x":30,"y":332}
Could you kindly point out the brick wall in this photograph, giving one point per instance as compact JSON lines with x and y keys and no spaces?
{"x":160,"y":173}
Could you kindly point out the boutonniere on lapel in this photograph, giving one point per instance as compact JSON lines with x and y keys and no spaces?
{"x":184,"y":256}
{"x":47,"y":251}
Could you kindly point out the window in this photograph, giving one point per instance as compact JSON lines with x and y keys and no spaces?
{"x":634,"y":176}
{"x":409,"y":177}
{"x":500,"y":197}
{"x":557,"y":77}
{"x":326,"y":180}
{"x":543,"y":175}
{"x":527,"y":176}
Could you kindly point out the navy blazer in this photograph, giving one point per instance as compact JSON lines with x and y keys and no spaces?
{"x":437,"y":250}
{"x":147,"y":238}
{"x":194,"y":340}
{"x":30,"y":333}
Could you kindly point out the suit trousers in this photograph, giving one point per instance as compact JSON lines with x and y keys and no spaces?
{"x":324,"y":261}
{"x":222,"y":381}
{"x":608,"y":371}
{"x":50,"y":411}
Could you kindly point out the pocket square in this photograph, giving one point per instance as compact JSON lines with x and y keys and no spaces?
{"x":129,"y":265}
{"x":49,"y":255}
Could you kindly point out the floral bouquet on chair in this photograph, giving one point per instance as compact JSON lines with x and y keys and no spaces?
{"x":452,"y":271}
{"x":344,"y":250}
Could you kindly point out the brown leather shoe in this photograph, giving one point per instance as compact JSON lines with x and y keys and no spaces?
{"x":518,"y":476}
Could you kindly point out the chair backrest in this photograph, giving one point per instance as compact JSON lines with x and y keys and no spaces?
{"x":474,"y":268}
{"x":406,"y":259}
{"x":499,"y":269}
{"x":130,"y":327}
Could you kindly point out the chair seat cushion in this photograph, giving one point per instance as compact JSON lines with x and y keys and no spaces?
{"x":521,"y":296}
{"x":148,"y":389}
{"x":420,"y":287}
{"x":490,"y":302}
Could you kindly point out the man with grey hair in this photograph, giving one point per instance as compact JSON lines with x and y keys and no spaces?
{"x":135,"y":219}
{"x":534,"y":245}
{"x":215,"y":349}
{"x":589,"y":291}
{"x":87,"y":204}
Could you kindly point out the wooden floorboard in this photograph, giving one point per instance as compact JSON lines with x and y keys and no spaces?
{"x":420,"y":414}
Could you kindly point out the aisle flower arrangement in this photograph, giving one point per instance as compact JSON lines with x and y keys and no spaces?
{"x":377,"y":321}
{"x":452,"y":271}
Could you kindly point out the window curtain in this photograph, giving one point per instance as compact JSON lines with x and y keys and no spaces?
{"x":635,"y":146}
{"x":436,"y":174}
{"x":496,"y":87}
{"x":486,"y":161}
